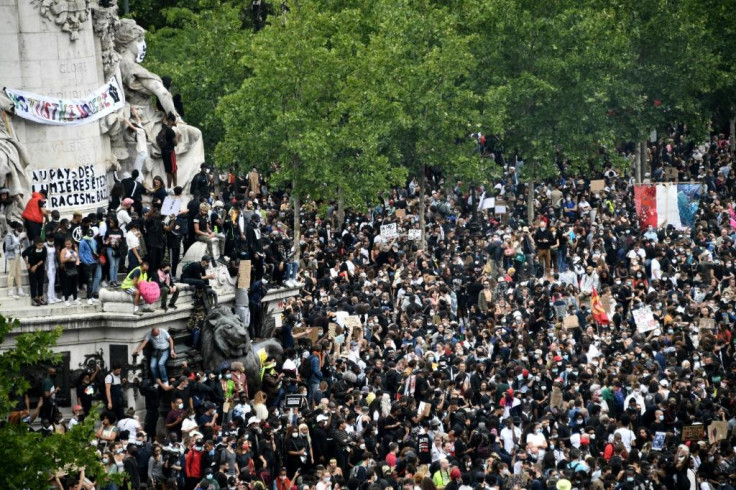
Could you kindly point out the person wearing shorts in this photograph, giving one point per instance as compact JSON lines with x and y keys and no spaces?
{"x":168,"y":153}
{"x":131,"y":282}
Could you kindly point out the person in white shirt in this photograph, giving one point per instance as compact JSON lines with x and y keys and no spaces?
{"x":130,"y":424}
{"x":627,"y":435}
{"x":656,"y":268}
{"x":589,"y":281}
{"x":510,"y":435}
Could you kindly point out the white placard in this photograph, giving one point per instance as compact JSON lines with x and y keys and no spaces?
{"x":488,"y":203}
{"x":500,"y":209}
{"x":644,"y":319}
{"x":170,"y":206}
{"x":415,"y":234}
{"x":389,"y":231}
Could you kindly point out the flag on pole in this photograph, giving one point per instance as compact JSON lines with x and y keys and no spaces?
{"x":667,"y":204}
{"x":599,"y":313}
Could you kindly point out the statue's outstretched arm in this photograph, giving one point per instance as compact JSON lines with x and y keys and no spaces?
{"x":157,"y":88}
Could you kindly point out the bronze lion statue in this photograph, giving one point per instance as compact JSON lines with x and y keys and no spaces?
{"x":225,"y":340}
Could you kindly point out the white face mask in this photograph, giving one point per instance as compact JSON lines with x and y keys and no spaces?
{"x":295,"y":435}
{"x":142,"y":49}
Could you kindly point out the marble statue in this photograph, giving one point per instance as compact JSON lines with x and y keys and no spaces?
{"x":69,"y":14}
{"x":225,"y":339}
{"x":13,"y":179}
{"x":123,"y":49}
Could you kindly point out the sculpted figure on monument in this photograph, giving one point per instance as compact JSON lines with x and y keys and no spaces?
{"x":13,"y":178}
{"x":141,"y":86}
{"x":69,"y":14}
{"x":225,"y":338}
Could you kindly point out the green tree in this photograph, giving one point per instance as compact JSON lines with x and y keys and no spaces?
{"x":301,"y":116}
{"x":29,"y":458}
{"x":200,"y":49}
{"x":417,"y":87}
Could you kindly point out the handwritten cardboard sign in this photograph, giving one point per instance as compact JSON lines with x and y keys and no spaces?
{"x":644,"y":319}
{"x":389,"y":231}
{"x":415,"y":235}
{"x":244,"y":274}
{"x":571,"y":321}
{"x":693,"y":432}
{"x":597,"y":185}
{"x":400,"y":213}
{"x":717,"y":431}
{"x":352,"y":321}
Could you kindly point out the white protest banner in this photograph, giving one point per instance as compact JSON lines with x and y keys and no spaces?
{"x":170,"y":206}
{"x":644,"y":319}
{"x":389,"y":231}
{"x":68,"y":112}
{"x":415,"y":234}
{"x":500,"y":209}
{"x":85,"y":185}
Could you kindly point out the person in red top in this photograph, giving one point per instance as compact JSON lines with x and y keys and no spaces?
{"x":193,"y":466}
{"x":34,"y":214}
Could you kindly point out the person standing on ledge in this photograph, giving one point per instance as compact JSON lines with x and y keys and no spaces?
{"x":35,"y":214}
{"x":162,"y":345}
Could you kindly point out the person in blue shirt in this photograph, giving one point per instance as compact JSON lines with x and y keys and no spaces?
{"x":88,"y":257}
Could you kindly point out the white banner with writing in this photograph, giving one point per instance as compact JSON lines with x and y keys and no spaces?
{"x":67,"y":112}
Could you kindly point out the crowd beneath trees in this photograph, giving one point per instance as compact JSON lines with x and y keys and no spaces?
{"x":465,"y":371}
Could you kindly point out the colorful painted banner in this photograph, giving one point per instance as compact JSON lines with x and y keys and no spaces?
{"x":667,"y":204}
{"x":68,"y":112}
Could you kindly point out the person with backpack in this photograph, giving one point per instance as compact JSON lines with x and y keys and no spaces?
{"x":310,"y":372}
{"x":89,"y":256}
{"x":167,"y":139}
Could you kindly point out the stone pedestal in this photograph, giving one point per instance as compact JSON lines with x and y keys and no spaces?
{"x":38,"y":56}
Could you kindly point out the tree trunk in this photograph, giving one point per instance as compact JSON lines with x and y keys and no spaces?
{"x":422,"y":186}
{"x":297,"y":228}
{"x":530,"y":203}
{"x":340,"y":207}
{"x":643,"y":164}
{"x":637,"y":167}
{"x":732,"y":133}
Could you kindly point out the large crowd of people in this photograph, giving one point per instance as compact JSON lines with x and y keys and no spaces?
{"x":481,"y":360}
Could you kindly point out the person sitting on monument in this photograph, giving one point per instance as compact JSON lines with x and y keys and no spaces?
{"x":162,"y":345}
{"x":202,"y":231}
{"x":131,"y":284}
{"x":166,"y":284}
{"x":195,"y":274}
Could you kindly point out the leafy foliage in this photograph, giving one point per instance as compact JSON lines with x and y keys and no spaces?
{"x":28,"y":457}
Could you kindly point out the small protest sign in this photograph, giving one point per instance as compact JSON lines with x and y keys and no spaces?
{"x":571,"y":321}
{"x":244,"y":274}
{"x":415,"y":235}
{"x":693,"y":432}
{"x":644,"y":319}
{"x":717,"y":431}
{"x":389,"y":231}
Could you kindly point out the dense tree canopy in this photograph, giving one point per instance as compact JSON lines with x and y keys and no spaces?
{"x":334,"y":91}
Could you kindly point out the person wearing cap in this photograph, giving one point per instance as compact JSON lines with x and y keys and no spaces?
{"x":134,"y":243}
{"x":89,"y":259}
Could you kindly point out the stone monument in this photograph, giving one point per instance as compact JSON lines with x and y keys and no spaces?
{"x":70,"y":73}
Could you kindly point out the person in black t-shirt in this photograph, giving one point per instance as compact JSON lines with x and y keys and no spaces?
{"x":35,"y":258}
{"x":195,"y":273}
{"x":168,"y":155}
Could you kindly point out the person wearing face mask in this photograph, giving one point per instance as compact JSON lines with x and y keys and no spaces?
{"x":35,"y":257}
{"x":176,"y":415}
{"x":543,"y":239}
{"x":193,"y":462}
{"x":296,"y":450}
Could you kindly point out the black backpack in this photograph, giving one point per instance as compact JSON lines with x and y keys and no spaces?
{"x":181,"y":227}
{"x":161,"y":138}
{"x":305,"y":368}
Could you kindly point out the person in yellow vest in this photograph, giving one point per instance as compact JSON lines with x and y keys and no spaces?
{"x":131,"y":282}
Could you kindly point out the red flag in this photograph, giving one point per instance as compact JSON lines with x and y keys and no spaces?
{"x":599,"y":314}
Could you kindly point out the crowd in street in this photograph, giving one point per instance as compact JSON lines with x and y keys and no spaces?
{"x":496,"y":353}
